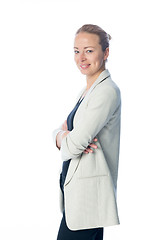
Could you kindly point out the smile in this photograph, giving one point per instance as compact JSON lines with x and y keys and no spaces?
{"x":84,"y":66}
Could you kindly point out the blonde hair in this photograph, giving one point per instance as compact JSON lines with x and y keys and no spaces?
{"x":94,"y":29}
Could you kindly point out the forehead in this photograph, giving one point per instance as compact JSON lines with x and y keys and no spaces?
{"x":84,"y":39}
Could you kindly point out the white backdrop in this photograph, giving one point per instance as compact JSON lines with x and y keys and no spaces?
{"x":36,"y":58}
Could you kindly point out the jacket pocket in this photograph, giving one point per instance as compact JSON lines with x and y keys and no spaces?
{"x":93,"y":165}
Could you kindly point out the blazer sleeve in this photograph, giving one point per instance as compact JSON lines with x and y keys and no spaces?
{"x":102,"y":103}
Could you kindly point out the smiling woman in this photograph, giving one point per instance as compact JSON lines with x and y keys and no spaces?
{"x":89,"y":144}
{"x":91,"y":51}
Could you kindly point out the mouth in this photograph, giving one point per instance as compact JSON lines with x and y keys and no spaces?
{"x":84,"y":66}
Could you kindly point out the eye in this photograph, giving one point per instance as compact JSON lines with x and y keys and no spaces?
{"x":89,"y":51}
{"x":76,"y":51}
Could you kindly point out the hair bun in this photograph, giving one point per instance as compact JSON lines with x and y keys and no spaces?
{"x":109,"y":37}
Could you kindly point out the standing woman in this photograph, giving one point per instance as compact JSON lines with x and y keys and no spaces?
{"x":89,"y":144}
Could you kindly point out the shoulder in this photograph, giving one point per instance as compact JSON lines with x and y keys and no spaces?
{"x":106,"y":89}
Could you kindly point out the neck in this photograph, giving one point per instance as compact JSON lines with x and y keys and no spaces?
{"x":91,"y":79}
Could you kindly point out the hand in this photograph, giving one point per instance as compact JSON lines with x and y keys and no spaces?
{"x":62,"y":134}
{"x":64,"y":126}
{"x":88,"y":149}
{"x":60,"y":137}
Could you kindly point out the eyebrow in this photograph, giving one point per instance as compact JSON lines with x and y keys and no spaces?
{"x":85,"y":47}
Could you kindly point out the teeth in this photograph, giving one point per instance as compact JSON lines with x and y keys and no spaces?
{"x":84,"y":66}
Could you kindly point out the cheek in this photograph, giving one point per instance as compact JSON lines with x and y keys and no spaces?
{"x":76,"y":59}
{"x":99,"y":60}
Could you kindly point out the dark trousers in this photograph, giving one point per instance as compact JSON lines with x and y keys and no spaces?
{"x":89,"y":234}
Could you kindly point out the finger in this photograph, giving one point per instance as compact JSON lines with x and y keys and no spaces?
{"x":93,"y":145}
{"x":85,"y":151}
{"x":89,"y":150}
{"x":95,"y":139}
{"x":63,"y":127}
{"x":66,"y":124}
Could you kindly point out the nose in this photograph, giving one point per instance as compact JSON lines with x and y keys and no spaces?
{"x":82,"y":57}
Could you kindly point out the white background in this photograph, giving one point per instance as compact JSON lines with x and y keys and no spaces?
{"x":39,"y":82}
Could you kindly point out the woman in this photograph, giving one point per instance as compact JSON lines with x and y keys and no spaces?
{"x":89,"y":144}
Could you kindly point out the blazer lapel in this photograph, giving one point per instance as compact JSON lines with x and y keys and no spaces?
{"x":72,"y":168}
{"x":105,"y":74}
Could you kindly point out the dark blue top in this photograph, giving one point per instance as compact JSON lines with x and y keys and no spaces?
{"x":70,"y":127}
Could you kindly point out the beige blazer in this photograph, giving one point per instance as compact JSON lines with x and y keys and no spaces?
{"x":91,"y":181}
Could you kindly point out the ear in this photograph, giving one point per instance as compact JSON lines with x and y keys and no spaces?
{"x":106,"y":53}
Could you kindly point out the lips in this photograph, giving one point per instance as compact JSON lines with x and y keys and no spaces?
{"x":84,"y":66}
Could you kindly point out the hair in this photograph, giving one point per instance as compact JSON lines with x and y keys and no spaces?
{"x":94,"y":29}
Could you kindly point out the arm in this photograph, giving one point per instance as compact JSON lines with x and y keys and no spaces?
{"x":60,"y":129}
{"x":54,"y":134}
{"x":64,"y":132}
{"x":101,"y":106}
{"x":58,"y":134}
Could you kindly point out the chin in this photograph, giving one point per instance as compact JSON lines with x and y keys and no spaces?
{"x":83,"y":72}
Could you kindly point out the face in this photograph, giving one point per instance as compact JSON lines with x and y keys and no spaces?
{"x":89,"y":57}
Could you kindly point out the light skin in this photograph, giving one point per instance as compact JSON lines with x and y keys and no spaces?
{"x":90,"y":60}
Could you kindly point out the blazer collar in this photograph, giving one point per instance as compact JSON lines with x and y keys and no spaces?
{"x":103,"y":76}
